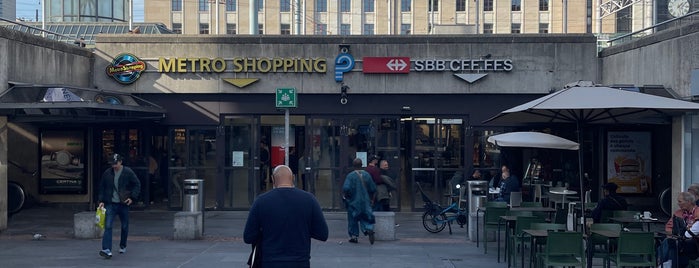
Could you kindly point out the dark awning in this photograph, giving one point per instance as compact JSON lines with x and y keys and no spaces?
{"x":48,"y":103}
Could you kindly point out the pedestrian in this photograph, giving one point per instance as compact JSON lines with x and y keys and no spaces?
{"x":282,"y":222}
{"x":383,"y":190}
{"x":357,"y":192}
{"x":118,"y":190}
{"x":508,"y":184}
{"x":610,"y":202}
{"x":264,"y":163}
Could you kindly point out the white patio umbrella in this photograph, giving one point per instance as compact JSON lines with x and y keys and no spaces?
{"x":583,"y":105}
{"x":532,"y":140}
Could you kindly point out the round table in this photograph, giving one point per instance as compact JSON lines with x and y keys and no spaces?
{"x":563,"y":195}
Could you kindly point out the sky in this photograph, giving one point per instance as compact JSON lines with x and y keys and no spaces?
{"x":27,"y":9}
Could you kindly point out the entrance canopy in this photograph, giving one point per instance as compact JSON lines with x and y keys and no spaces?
{"x":48,"y":103}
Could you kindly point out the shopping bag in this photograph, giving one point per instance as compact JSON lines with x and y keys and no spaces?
{"x":99,"y":217}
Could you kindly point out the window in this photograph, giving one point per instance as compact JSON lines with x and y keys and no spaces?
{"x":230,"y":5}
{"x":487,"y":5}
{"x":516,"y":28}
{"x":543,"y":28}
{"x":345,"y":29}
{"x":321,"y":5}
{"x":285,"y":29}
{"x":203,"y":28}
{"x":284,"y":5}
{"x":345,"y":5}
{"x":460,"y":5}
{"x":405,"y":29}
{"x":405,"y":5}
{"x":435,"y":5}
{"x":516,"y":5}
{"x":176,"y":5}
{"x":487,"y":28}
{"x":368,"y":29}
{"x":543,"y":5}
{"x":231,"y":28}
{"x":261,"y":29}
{"x":321,"y":29}
{"x":203,"y":5}
{"x":368,"y":5}
{"x":260,"y":4}
{"x":177,"y":28}
{"x":623,"y":21}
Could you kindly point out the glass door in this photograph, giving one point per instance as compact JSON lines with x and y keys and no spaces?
{"x":241,"y":164}
{"x":437,"y":150}
{"x":193,"y":156}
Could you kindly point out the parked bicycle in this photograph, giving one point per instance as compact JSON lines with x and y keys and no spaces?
{"x":436,"y":218}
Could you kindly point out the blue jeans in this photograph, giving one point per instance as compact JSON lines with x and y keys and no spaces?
{"x":114,"y":209}
{"x":353,"y":225}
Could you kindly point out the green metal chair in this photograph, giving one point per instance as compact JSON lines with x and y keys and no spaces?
{"x":635,"y":249}
{"x":562,"y":249}
{"x":491,"y":217}
{"x":597,"y":244}
{"x":520,"y":213}
{"x":496,"y":204}
{"x":516,"y":239}
{"x":531,"y":204}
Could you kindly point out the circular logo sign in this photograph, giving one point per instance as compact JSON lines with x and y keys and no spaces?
{"x":126,"y":68}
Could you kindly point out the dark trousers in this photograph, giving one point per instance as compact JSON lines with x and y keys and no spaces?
{"x":114,"y":209}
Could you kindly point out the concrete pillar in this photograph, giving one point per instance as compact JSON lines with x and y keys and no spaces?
{"x":3,"y":173}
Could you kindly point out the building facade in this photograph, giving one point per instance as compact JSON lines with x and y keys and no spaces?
{"x":399,"y":17}
{"x":86,"y":10}
{"x":8,"y":9}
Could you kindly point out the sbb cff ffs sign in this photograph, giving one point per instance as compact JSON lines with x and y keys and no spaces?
{"x":386,"y":65}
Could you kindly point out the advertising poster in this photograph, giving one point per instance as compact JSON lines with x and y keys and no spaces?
{"x":277,"y":150}
{"x":62,"y":162}
{"x":628,"y":161}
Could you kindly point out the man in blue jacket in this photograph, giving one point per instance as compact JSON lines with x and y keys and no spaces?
{"x":282,"y":222}
{"x":508,"y":184}
{"x":118,"y":190}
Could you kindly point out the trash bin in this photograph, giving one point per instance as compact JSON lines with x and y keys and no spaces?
{"x":193,"y":195}
{"x":477,"y":195}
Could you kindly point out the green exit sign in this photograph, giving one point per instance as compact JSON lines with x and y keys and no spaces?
{"x":286,"y":98}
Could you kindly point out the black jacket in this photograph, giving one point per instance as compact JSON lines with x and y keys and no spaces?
{"x":129,"y":185}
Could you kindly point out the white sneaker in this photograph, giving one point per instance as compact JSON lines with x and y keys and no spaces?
{"x":667,"y":264}
{"x":106,"y":253}
{"x":122,"y":250}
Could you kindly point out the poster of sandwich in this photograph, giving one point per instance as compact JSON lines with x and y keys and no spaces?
{"x":628,"y":161}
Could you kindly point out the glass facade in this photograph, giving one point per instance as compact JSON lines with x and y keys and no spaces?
{"x":87,"y":10}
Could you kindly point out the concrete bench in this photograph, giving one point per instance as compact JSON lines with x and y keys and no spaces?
{"x":188,"y":225}
{"x":84,"y":226}
{"x":385,"y":226}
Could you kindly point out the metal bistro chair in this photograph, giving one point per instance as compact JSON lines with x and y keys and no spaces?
{"x":540,"y":243}
{"x":636,"y":249}
{"x":491,"y":218}
{"x":562,"y":249}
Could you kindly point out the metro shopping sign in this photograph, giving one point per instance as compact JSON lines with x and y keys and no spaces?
{"x":386,"y":65}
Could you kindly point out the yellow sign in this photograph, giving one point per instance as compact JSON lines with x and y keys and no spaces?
{"x":241,"y":82}
{"x":242,"y":65}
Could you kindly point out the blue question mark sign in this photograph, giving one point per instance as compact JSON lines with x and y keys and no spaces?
{"x":344,"y":62}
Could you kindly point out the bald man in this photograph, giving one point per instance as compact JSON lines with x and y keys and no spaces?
{"x":284,"y":220}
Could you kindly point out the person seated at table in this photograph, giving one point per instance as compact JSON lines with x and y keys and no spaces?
{"x":694,"y":189}
{"x":687,"y":215}
{"x":610,"y":201}
{"x":508,"y":184}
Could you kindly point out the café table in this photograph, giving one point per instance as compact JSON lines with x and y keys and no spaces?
{"x":627,"y":220}
{"x":535,"y":235}
{"x":493,"y":193}
{"x":509,"y":224}
{"x":563,"y":194}
{"x":609,"y":235}
{"x":548,"y":210}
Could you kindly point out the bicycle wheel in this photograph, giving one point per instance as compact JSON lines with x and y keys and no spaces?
{"x":15,"y":197}
{"x":665,"y":200}
{"x":434,"y":223}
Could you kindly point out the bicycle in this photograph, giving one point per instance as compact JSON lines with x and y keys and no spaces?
{"x":436,"y":218}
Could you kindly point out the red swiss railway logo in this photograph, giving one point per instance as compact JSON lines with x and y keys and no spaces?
{"x":386,"y":65}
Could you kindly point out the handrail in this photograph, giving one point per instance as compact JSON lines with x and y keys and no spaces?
{"x":76,"y":40}
{"x":650,"y":27}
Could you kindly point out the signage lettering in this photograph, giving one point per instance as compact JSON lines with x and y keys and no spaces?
{"x":240,"y":65}
{"x":455,"y":65}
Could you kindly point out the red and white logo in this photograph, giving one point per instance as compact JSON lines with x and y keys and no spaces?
{"x":386,"y":65}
